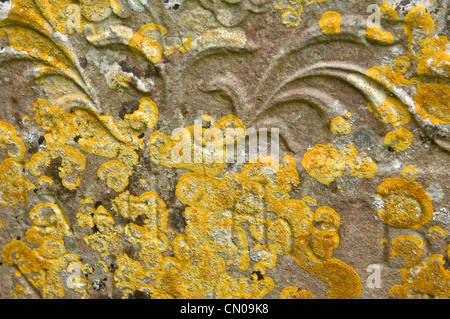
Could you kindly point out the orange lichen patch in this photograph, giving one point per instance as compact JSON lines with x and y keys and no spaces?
{"x":72,"y":161}
{"x":219,"y":209}
{"x":186,"y":45}
{"x":392,"y":111}
{"x":417,"y":22}
{"x":418,"y":19}
{"x":384,"y":241}
{"x":432,"y":102}
{"x":109,"y":239}
{"x":98,"y":135}
{"x":29,"y":35}
{"x":130,"y":276}
{"x":391,"y":75}
{"x":106,"y":239}
{"x":49,"y":219}
{"x":308,"y":200}
{"x":151,"y":236}
{"x":196,"y":148}
{"x":399,"y":140}
{"x":330,"y":23}
{"x":45,"y":180}
{"x":295,"y":293}
{"x":145,"y":116}
{"x":8,"y":137}
{"x":428,"y":280}
{"x":435,"y":61}
{"x":436,"y":232}
{"x":115,"y":174}
{"x":361,"y":166}
{"x":61,"y":16}
{"x":43,"y":266}
{"x":409,"y":173}
{"x":340,"y":126}
{"x":377,"y":35}
{"x":323,"y":163}
{"x":148,"y":45}
{"x":14,"y":186}
{"x":406,"y":204}
{"x":343,"y":281}
{"x":20,"y":292}
{"x":120,"y":81}
{"x":291,"y":17}
{"x":408,"y":247}
{"x":38,"y":161}
{"x":308,"y":2}
{"x":388,"y":12}
{"x":96,"y":10}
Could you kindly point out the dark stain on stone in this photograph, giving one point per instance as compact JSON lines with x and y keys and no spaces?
{"x":126,"y":67}
{"x":139,"y":295}
{"x":151,"y":71}
{"x":177,"y":220}
{"x":128,"y":108}
{"x":363,"y":138}
{"x":41,"y":139}
{"x":139,"y":221}
{"x":258,"y":274}
{"x":83,"y":62}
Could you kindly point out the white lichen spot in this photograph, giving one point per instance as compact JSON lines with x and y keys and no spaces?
{"x":442,"y":216}
{"x":5,"y":7}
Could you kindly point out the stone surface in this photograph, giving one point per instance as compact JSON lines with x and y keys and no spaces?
{"x":97,"y":200}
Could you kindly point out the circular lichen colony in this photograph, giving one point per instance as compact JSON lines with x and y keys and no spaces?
{"x":406,"y":204}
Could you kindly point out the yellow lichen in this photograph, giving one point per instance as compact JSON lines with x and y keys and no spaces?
{"x":330,"y":23}
{"x":295,"y":293}
{"x":432,"y":102}
{"x":409,"y":173}
{"x":115,"y":174}
{"x":430,"y":280}
{"x":8,"y":137}
{"x":146,"y":45}
{"x":392,"y":111}
{"x":361,"y":166}
{"x":392,"y":75}
{"x":14,"y":186}
{"x":217,"y":206}
{"x":43,"y":266}
{"x":377,"y":35}
{"x":388,"y":12}
{"x":417,"y":21}
{"x":399,"y":140}
{"x":405,"y":204}
{"x":37,"y":161}
{"x":99,"y":135}
{"x":436,"y":232}
{"x":20,"y":290}
{"x":323,"y":163}
{"x":340,"y":126}
{"x":186,"y":45}
{"x":45,"y":180}
{"x":196,"y":148}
